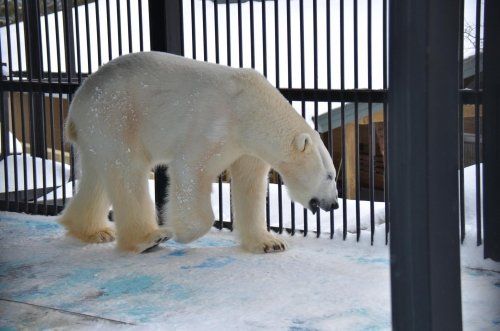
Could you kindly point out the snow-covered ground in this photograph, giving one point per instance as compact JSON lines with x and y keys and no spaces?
{"x":49,"y":280}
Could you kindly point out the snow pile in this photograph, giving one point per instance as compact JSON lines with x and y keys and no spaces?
{"x":298,"y":212}
{"x":29,"y":166}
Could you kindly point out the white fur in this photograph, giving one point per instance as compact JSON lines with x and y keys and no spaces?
{"x":146,"y":109}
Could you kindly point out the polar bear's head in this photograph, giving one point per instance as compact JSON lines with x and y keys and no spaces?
{"x":309,"y":173}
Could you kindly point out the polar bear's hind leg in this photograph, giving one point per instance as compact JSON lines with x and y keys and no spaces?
{"x":85,"y":217}
{"x":189,"y":209}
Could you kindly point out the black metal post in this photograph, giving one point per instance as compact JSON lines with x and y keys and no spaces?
{"x":5,"y":120}
{"x":423,"y":100}
{"x":34,"y":64}
{"x":69,"y":40}
{"x":491,"y":135}
{"x":165,"y":25}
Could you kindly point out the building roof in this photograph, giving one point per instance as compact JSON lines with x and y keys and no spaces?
{"x":349,"y":108}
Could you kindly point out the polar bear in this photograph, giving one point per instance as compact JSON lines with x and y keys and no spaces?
{"x":151,"y":108}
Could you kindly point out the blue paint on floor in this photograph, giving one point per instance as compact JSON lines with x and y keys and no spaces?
{"x":128,"y":285}
{"x":209,"y":284}
{"x":212,"y":263}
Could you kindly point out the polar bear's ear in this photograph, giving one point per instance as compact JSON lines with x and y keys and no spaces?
{"x":303,"y":142}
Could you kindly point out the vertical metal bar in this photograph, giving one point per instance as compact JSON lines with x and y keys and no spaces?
{"x":276,"y":44}
{"x":22,"y":107}
{"x":461,"y":123}
{"x":220,"y":224}
{"x":204,"y":17}
{"x":87,"y":29}
{"x":342,"y":120}
{"x":193,"y":28}
{"x":477,"y":126}
{"x":290,"y":83}
{"x":240,"y":36}
{"x":277,"y":85}
{"x":129,"y":27}
{"x":491,"y":136}
{"x":71,"y":62}
{"x":386,"y":127}
{"x":41,"y":114}
{"x":60,"y":110}
{"x":98,"y":31}
{"x":356,"y":122}
{"x":37,"y":118}
{"x":264,"y":39}
{"x":425,"y":249}
{"x":166,"y":33}
{"x":289,"y":43}
{"x":268,"y":209}
{"x":252,"y":36}
{"x":119,"y":26}
{"x":228,"y":33}
{"x":13,"y":117}
{"x":51,"y":104}
{"x":217,"y":60}
{"x":216,"y":26}
{"x":141,"y":27}
{"x":108,"y":22}
{"x":34,"y":62}
{"x":371,"y":139}
{"x":329,"y":104}
{"x":303,"y":84}
{"x":315,"y":72}
{"x":4,"y":134}
{"x":78,"y":49}
{"x":221,"y":206}
{"x":280,"y":205}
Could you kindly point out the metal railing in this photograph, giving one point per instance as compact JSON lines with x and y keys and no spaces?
{"x":328,"y":58}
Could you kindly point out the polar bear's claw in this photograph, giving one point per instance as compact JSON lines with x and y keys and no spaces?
{"x":158,"y":237}
{"x":275,"y":248}
{"x":266,"y":244}
{"x":155,"y":244}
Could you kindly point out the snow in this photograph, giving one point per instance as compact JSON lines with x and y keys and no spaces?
{"x":31,"y":165}
{"x":211,"y":284}
{"x":15,"y":146}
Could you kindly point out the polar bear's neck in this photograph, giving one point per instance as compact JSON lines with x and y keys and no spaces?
{"x":268,"y":121}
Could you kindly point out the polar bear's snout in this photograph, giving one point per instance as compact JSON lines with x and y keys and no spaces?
{"x":327,"y":205}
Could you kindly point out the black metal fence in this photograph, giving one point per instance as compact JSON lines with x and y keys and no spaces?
{"x":328,"y":58}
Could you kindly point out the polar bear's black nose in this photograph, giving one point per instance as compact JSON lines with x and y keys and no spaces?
{"x":314,"y":205}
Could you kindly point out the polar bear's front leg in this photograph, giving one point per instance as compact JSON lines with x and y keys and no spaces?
{"x":248,"y":189}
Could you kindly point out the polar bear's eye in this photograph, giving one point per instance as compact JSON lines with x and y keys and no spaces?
{"x":329,"y":177}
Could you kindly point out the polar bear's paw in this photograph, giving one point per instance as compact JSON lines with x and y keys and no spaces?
{"x":154,"y":239}
{"x":101,"y":236}
{"x":104,"y":235}
{"x":266,"y":243}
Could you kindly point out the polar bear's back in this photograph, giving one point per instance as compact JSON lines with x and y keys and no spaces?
{"x":139,"y":97}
